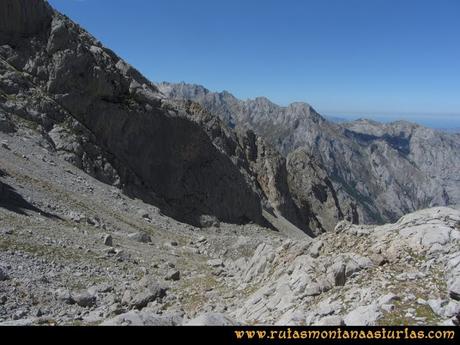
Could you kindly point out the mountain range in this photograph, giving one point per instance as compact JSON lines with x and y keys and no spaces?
{"x":376,"y":171}
{"x":125,"y":201}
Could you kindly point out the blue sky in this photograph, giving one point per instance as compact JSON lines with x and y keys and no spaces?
{"x":386,"y":59}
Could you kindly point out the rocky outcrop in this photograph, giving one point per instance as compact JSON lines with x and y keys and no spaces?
{"x":315,"y":193}
{"x":335,"y":279}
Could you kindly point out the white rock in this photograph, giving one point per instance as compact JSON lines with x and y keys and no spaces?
{"x":363,"y":316}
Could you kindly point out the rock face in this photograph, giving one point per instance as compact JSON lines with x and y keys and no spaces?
{"x":314,"y":192}
{"x":369,"y":172}
{"x":22,"y":18}
{"x":103,"y":116}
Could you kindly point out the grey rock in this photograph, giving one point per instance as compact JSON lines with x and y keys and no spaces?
{"x":315,"y":248}
{"x":143,"y":214}
{"x":108,"y":240}
{"x":6,"y":126}
{"x":121,"y":255}
{"x":378,"y":259}
{"x":100,"y":288}
{"x":215,"y":263}
{"x":7,"y":231}
{"x":77,"y":217}
{"x":207,"y":221}
{"x":436,"y":306}
{"x":173,"y":275}
{"x":3,"y":299}
{"x":3,"y":275}
{"x":144,"y":317}
{"x":141,"y":237}
{"x":64,"y":295}
{"x":84,"y":299}
{"x":337,"y":272}
{"x":141,"y":299}
{"x":312,"y":289}
{"x":356,"y":264}
{"x":150,"y":291}
{"x":388,"y":298}
{"x":211,"y":319}
{"x":363,"y":316}
{"x":454,"y":289}
{"x":4,"y":145}
{"x":452,"y":309}
{"x":127,"y":297}
{"x":387,"y":307}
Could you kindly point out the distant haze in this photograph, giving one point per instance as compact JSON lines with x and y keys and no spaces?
{"x":446,"y":122}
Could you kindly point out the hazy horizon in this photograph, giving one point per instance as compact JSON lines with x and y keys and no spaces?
{"x":446,"y":122}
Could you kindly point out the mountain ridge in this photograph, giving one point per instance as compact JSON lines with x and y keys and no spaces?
{"x":390,"y":152}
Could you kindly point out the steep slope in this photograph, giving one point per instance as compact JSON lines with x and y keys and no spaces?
{"x":103,"y":116}
{"x":376,"y":175}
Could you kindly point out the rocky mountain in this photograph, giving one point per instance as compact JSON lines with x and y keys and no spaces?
{"x":122,"y":203}
{"x":377,"y":172}
{"x":103,"y":116}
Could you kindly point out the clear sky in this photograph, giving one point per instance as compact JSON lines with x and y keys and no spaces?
{"x":385,"y":59}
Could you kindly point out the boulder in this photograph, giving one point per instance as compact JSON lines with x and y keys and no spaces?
{"x":108,"y":240}
{"x":363,"y":316}
{"x":337,"y":273}
{"x":141,"y":237}
{"x":173,"y":275}
{"x":84,"y":299}
{"x":3,"y":275}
